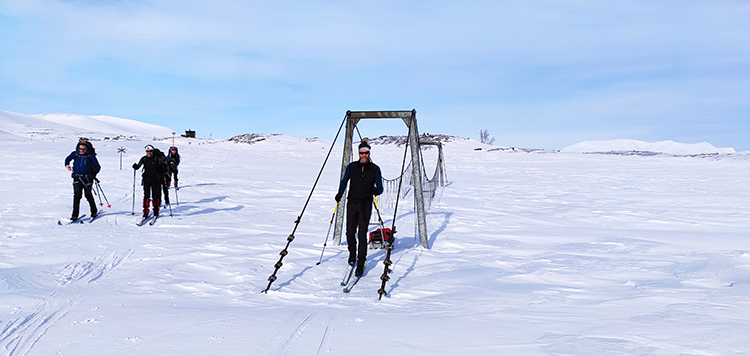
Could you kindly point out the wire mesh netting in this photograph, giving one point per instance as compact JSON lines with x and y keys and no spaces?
{"x":387,"y":201}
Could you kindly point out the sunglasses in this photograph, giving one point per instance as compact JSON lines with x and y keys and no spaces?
{"x":81,"y":148}
{"x":364,"y":153}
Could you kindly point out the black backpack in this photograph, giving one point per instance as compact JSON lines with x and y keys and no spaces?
{"x":160,"y":157}
{"x":89,"y":147}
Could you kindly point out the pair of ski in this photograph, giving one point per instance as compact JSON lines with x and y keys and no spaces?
{"x":80,"y":220}
{"x":151,"y":219}
{"x":345,"y":282}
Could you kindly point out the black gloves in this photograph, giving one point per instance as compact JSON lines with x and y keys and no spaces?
{"x":338,"y":197}
{"x":135,"y":165}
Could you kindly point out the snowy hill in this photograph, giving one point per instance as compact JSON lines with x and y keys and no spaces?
{"x":51,"y":126}
{"x":530,"y":254}
{"x":663,"y":147}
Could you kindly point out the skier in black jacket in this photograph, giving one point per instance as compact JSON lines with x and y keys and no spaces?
{"x":173,"y":160}
{"x":366,"y":182}
{"x":154,"y":167}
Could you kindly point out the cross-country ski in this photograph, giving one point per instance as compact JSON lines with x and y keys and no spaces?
{"x":78,"y":220}
{"x":144,"y":220}
{"x":348,"y":275}
{"x":97,"y":216}
{"x":349,"y":287}
{"x":349,"y":284}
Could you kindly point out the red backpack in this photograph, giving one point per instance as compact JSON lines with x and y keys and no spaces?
{"x":378,"y":237}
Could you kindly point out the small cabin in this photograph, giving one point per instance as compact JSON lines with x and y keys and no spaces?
{"x":189,"y":133}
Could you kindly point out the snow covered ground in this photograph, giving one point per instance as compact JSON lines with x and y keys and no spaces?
{"x":531,"y":254}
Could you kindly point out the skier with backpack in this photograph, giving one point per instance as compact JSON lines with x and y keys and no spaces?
{"x":84,"y":170}
{"x":87,"y":142}
{"x":154,"y":168}
{"x":173,"y":160}
{"x":366,"y":181}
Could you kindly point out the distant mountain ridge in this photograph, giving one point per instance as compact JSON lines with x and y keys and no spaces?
{"x":66,"y":125}
{"x":646,"y":148}
{"x":15,"y":126}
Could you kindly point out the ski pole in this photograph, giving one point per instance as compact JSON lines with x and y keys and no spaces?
{"x":93,"y":188}
{"x":380,"y":220}
{"x":165,"y":188}
{"x":387,"y":262}
{"x":327,"y":233}
{"x":99,"y":186}
{"x":96,"y":192}
{"x":133,"y":212}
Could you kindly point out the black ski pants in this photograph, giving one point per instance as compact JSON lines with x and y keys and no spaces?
{"x":152,"y":193}
{"x":173,"y":170}
{"x":80,"y":189}
{"x":166,"y":188}
{"x":152,"y":188}
{"x":357,"y":222}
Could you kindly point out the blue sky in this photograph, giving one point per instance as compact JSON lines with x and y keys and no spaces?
{"x":537,"y":74}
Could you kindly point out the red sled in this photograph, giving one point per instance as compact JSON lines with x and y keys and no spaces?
{"x":378,"y":238}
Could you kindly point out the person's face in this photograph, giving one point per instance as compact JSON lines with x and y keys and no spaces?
{"x":149,"y":153}
{"x":82,"y":149}
{"x":363,"y":156}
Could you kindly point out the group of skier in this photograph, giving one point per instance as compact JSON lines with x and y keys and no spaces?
{"x":158,"y":171}
{"x":363,"y":177}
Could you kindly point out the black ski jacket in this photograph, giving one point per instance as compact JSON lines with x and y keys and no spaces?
{"x":154,"y":167}
{"x":366,"y":181}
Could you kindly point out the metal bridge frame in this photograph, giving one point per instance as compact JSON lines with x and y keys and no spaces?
{"x":410,"y":119}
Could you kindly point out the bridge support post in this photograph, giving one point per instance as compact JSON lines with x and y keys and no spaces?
{"x":410,"y":119}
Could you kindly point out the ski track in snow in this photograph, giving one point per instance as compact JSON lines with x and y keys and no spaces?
{"x":307,"y":330}
{"x":19,"y":335}
{"x":90,"y":271}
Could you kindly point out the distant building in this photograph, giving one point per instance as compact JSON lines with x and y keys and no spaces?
{"x":189,"y":133}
